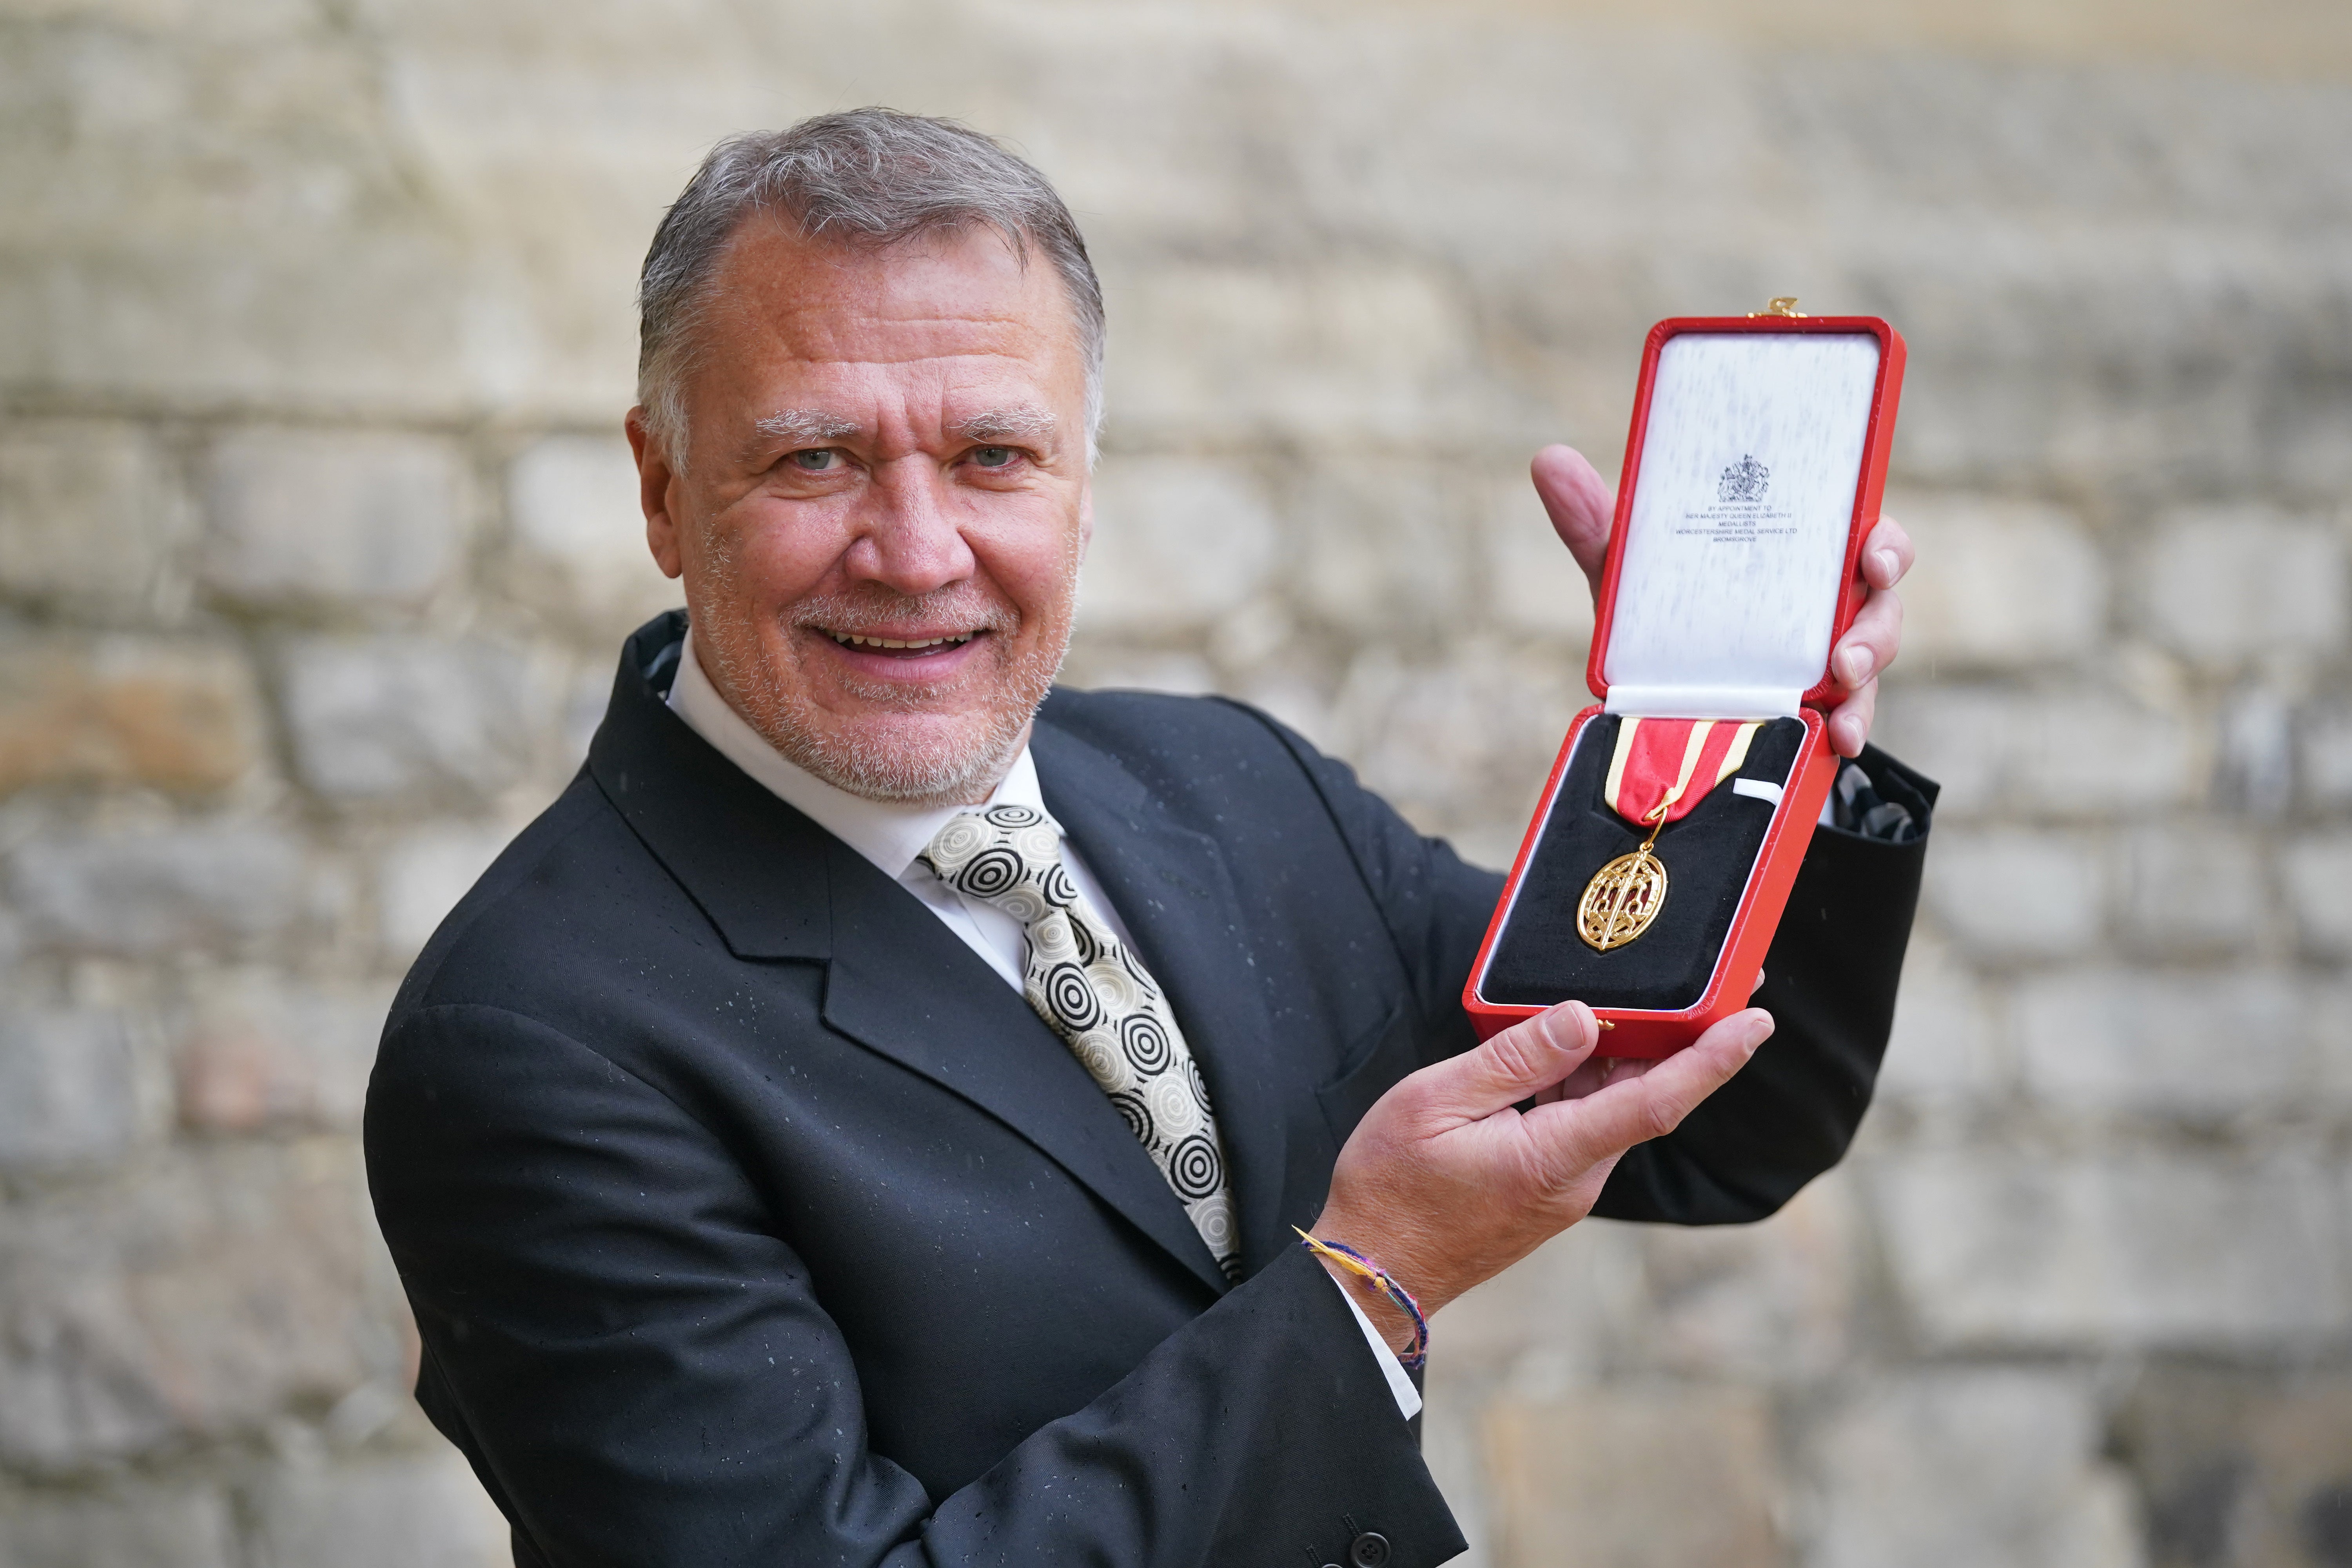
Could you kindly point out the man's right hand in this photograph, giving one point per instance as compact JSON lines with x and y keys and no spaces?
{"x":1445,"y":1183}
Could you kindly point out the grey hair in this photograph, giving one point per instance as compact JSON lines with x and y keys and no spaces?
{"x":868,"y":177}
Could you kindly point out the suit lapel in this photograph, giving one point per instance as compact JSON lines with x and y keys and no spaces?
{"x":777,"y":886}
{"x":1175,"y":892}
{"x":904,"y":985}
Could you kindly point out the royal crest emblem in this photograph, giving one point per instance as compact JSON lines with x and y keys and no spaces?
{"x":1746,"y":480}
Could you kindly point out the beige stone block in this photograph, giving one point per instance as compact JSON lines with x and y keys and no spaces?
{"x":2325,"y":757}
{"x":218,"y":886}
{"x":1946,"y":1047}
{"x":2165,"y":1042}
{"x":90,"y":515}
{"x":1559,"y":1317}
{"x":254,"y":1048}
{"x":356,"y":305}
{"x":1461,"y":746}
{"x":134,"y":1525}
{"x":1328,"y":354}
{"x":214,"y":1291}
{"x":2082,"y":753}
{"x":381,"y":716}
{"x":1996,"y":1249}
{"x":2089,"y":754}
{"x":1386,"y":548}
{"x":1772,"y":1302}
{"x":2226,"y":585}
{"x":422,"y":875}
{"x":1113,"y":667}
{"x":2242,"y":1466}
{"x":1965,"y":1467}
{"x":424,"y":1511}
{"x":579,"y":536}
{"x":69,"y":1089}
{"x":1178,"y":543}
{"x":2008,"y":893}
{"x":223,"y":225}
{"x":1999,"y":585}
{"x":1609,"y":1477}
{"x":2195,"y":887}
{"x":302,"y":518}
{"x":174,"y":713}
{"x":2317,"y":872}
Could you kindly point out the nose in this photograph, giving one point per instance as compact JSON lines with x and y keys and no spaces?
{"x":908,"y":538}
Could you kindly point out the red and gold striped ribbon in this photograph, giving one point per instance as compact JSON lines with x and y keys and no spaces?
{"x":1657,"y":763}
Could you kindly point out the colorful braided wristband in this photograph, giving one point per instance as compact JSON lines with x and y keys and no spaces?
{"x":1354,"y":1262}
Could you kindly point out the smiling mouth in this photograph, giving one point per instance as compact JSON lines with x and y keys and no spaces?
{"x":900,"y":647}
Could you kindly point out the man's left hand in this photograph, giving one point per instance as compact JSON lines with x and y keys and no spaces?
{"x":1582,"y":505}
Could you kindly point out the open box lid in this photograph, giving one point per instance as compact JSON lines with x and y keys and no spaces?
{"x":1753,"y":474}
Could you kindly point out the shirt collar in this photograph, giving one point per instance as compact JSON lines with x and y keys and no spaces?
{"x":888,"y":833}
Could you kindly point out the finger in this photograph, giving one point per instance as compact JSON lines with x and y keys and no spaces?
{"x":1579,"y":503}
{"x":1633,"y":1110}
{"x":1871,"y":643}
{"x":1590,"y":1074}
{"x":1850,"y":726}
{"x":1530,"y":1056}
{"x":1886,"y":554}
{"x":1759,"y":983}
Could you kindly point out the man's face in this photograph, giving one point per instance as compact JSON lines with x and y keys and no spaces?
{"x":883,"y":502}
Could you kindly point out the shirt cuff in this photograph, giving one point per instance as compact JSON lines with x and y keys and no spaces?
{"x":1408,"y":1397}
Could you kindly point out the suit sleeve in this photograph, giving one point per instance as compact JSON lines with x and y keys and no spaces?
{"x":1829,"y":982}
{"x":642,"y":1373}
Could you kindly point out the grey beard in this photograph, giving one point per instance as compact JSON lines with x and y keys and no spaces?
{"x":953,"y":769}
{"x":941,"y":773}
{"x":947,"y":770}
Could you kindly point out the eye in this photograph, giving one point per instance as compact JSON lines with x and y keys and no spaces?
{"x":815,"y":460}
{"x":993,"y":457}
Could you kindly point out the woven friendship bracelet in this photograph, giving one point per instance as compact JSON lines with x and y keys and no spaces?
{"x":1355,"y":1262}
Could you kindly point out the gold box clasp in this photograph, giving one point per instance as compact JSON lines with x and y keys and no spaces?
{"x":1786,"y":305}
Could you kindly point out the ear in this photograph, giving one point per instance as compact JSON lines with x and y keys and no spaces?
{"x":656,"y":480}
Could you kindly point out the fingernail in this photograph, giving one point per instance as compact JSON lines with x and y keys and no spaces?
{"x":1858,"y":661}
{"x":1889,"y":562}
{"x":1761,"y":1030}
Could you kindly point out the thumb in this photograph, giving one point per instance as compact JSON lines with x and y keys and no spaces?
{"x":1579,"y":502}
{"x":1531,"y":1054}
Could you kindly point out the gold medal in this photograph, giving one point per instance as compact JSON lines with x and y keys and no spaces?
{"x":1623,"y":897}
{"x":1651,"y":775}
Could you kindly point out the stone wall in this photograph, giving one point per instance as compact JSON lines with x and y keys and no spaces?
{"x":316,"y":539}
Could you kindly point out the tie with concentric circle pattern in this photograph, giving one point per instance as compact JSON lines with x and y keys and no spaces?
{"x":1097,"y":996}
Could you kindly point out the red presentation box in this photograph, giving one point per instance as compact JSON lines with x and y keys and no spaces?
{"x":1753,"y":475}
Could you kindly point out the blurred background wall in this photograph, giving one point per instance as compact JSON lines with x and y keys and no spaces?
{"x":317,"y":540}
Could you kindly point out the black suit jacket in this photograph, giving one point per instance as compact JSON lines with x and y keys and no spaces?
{"x":750,"y":1217}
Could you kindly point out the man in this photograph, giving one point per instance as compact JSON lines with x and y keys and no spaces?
{"x":864,"y":1120}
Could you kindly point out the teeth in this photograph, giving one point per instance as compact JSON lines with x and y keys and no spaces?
{"x":851,"y":639}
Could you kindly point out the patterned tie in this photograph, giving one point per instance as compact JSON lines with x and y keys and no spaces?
{"x":1098,"y":997}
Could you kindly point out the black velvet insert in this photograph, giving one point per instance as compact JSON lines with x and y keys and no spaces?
{"x":1538,"y":958}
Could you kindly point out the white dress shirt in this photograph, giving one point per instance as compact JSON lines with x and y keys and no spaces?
{"x":891,"y":835}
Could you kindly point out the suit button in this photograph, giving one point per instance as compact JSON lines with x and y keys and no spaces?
{"x":1370,"y":1550}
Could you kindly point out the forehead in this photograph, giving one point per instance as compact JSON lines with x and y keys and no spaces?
{"x":940,"y":311}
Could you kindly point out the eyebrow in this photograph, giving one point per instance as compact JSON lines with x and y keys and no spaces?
{"x":807,"y":426}
{"x":1003,"y":423}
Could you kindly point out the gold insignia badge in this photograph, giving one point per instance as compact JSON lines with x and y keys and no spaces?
{"x":1623,"y":897}
{"x":1660,"y":769}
